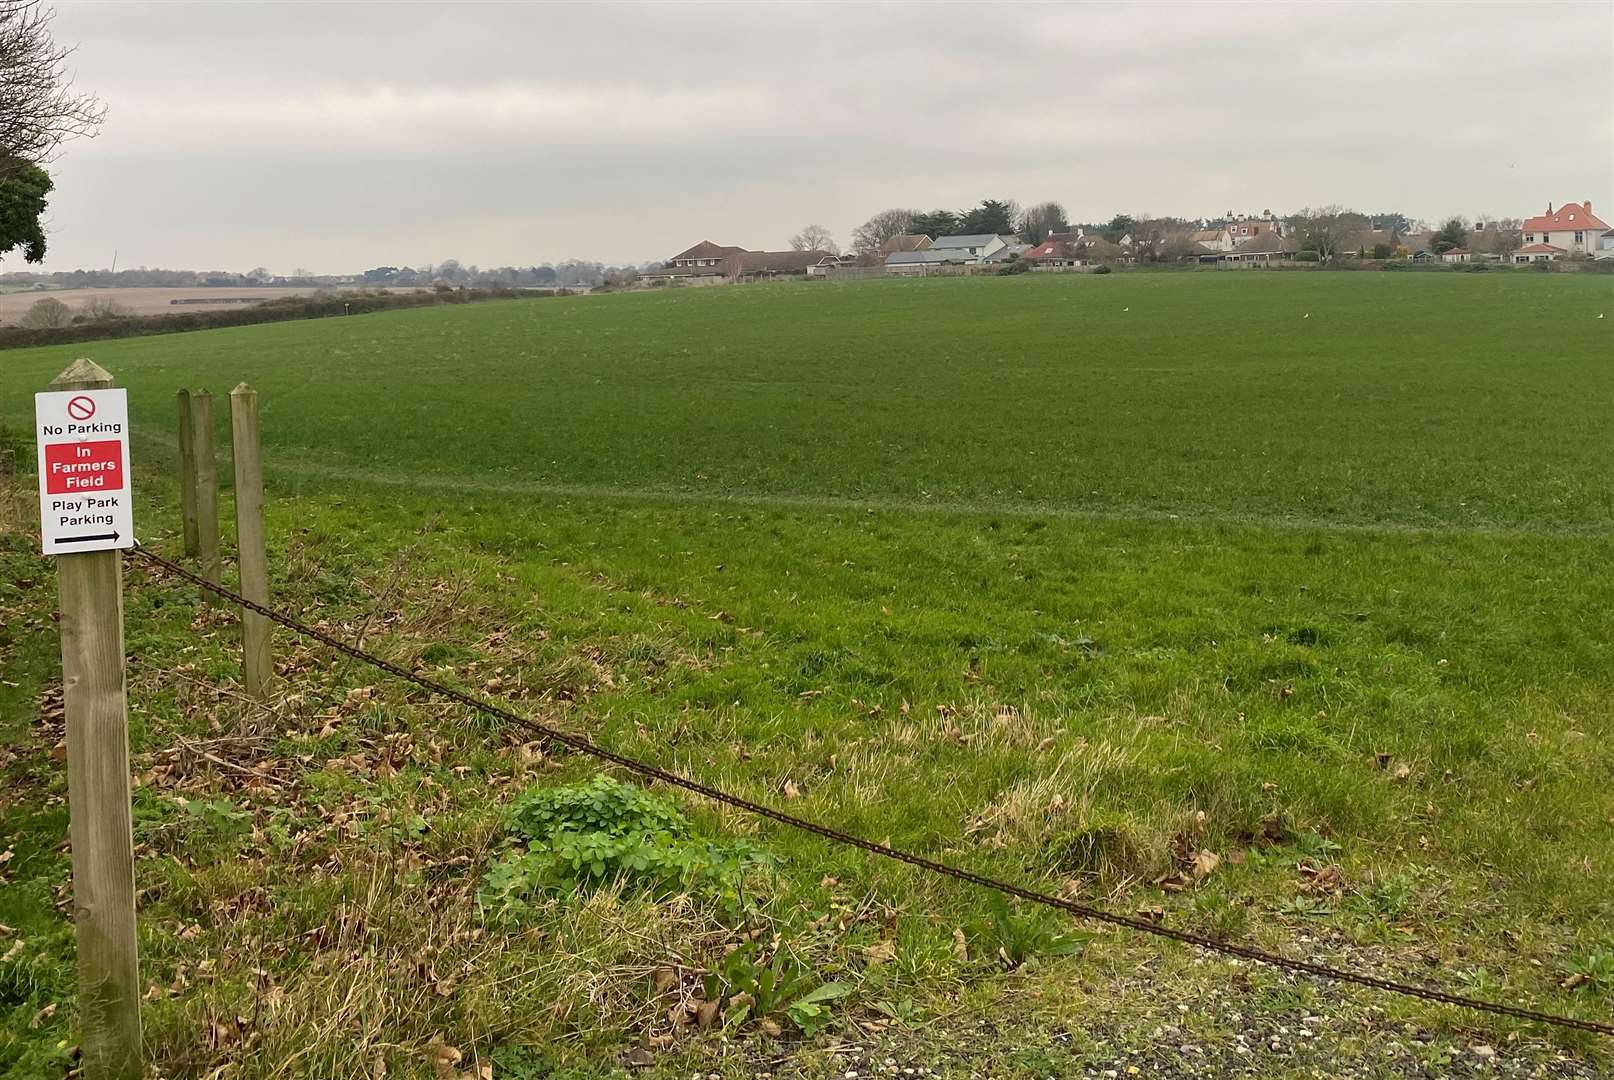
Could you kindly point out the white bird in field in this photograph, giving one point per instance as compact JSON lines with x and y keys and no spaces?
{"x":1307,"y":315}
{"x":1129,"y":309}
{"x":1599,"y":314}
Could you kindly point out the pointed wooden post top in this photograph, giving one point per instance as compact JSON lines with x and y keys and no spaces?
{"x":82,"y":374}
{"x":242,"y":388}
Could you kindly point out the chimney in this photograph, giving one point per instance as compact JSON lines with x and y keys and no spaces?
{"x":1588,"y":205}
{"x":1549,"y":209}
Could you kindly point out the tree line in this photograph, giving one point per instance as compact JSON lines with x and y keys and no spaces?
{"x":1326,"y":230}
{"x":39,"y":111}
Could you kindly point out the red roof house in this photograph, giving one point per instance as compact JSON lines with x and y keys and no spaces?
{"x":1572,"y":228}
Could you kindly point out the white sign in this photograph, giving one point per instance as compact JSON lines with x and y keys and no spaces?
{"x":85,"y":503}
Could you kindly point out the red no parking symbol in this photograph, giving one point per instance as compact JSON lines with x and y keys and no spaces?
{"x":81,"y":408}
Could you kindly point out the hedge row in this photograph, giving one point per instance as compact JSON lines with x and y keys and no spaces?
{"x":277,"y":310}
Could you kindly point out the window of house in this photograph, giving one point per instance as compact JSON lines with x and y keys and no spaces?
{"x":1529,"y":238}
{"x":1580,"y":237}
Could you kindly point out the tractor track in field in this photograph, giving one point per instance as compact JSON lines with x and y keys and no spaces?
{"x":325,"y":471}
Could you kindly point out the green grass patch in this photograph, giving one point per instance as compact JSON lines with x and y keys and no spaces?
{"x":897,"y":558}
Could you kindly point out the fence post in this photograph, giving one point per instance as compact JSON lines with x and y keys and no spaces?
{"x":257,"y":663}
{"x":99,"y":827}
{"x":187,"y":472}
{"x":207,"y":486}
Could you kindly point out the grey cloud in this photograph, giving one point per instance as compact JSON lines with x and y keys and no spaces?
{"x":342,"y":135}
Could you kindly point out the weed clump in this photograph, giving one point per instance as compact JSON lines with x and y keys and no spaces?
{"x":1105,"y":853}
{"x":583,"y":836}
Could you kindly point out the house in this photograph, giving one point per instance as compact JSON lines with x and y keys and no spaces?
{"x":1455,"y":255}
{"x":1241,"y":228}
{"x":906,"y":242}
{"x":1605,"y":247}
{"x":849,"y":260}
{"x":708,"y":264}
{"x":705,"y":259}
{"x":1060,"y":251}
{"x":1265,"y":246}
{"x":1213,"y":240}
{"x":1572,"y":229}
{"x":1538,"y":252}
{"x":771,"y":264}
{"x":919,"y":263}
{"x":973,"y":247}
{"x":1418,"y":245}
{"x":1380,"y":239}
{"x":1096,"y":249}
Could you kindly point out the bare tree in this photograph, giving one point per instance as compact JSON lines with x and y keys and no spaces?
{"x":46,"y":313}
{"x":104,"y":309}
{"x":815,"y":238}
{"x":869,"y":237}
{"x":1147,"y":234}
{"x":39,"y":109}
{"x":1323,"y":229}
{"x":1498,"y":236}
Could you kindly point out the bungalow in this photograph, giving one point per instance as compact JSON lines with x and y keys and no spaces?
{"x":1570,"y":230}
{"x":1060,"y":251}
{"x":919,"y":263}
{"x":906,"y":242}
{"x":848,"y":260}
{"x":1538,"y":252}
{"x":1605,"y":247}
{"x":1455,"y":255}
{"x":1265,"y":246}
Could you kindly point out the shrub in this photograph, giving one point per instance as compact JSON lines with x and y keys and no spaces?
{"x":104,"y":308}
{"x":586,"y":835}
{"x":45,"y":314}
{"x":1307,"y":257}
{"x":1101,"y":270}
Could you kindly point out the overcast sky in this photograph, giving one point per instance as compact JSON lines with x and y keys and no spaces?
{"x":342,"y":136}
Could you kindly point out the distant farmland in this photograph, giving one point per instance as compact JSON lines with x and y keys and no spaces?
{"x":150,"y":301}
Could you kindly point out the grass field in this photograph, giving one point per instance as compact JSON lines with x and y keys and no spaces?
{"x":1071,"y":580}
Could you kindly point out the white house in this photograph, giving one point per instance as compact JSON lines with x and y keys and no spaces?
{"x":971,"y":248}
{"x":1217,"y":239}
{"x":1572,"y":229}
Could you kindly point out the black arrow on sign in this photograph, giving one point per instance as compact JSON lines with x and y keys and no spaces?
{"x":86,"y":539}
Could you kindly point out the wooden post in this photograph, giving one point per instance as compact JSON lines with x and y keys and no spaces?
{"x":187,"y":472}
{"x":207,"y":487}
{"x":99,"y":828}
{"x":257,"y":663}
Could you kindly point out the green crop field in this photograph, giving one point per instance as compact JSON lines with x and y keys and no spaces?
{"x":1277,"y":606}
